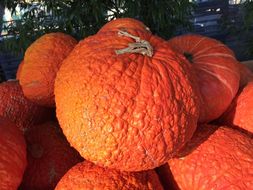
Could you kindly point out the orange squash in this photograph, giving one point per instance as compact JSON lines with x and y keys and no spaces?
{"x":86,"y":176}
{"x":41,"y":62}
{"x":216,"y":69}
{"x":49,"y":157}
{"x":115,"y":104}
{"x":240,"y":112}
{"x":12,"y":155}
{"x":17,"y":108}
{"x":216,"y":158}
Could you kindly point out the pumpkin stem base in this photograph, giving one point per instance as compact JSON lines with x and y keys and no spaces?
{"x":140,"y":46}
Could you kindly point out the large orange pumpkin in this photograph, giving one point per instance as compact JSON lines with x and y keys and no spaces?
{"x":240,"y":112}
{"x":86,"y":176}
{"x":115,"y":105}
{"x":17,"y":108}
{"x":12,"y":155}
{"x":49,"y":157}
{"x":41,"y":62}
{"x":217,"y":72}
{"x":215,"y":159}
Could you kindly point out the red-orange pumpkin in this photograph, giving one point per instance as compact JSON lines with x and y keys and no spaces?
{"x":240,"y":112}
{"x":42,"y":60}
{"x":215,"y":159}
{"x":49,"y":157}
{"x":114,"y":107}
{"x":87,"y":176}
{"x":12,"y":155}
{"x":17,"y":108}
{"x":217,"y":72}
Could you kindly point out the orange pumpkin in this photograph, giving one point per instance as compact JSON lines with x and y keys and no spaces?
{"x":216,"y":69}
{"x":41,"y":62}
{"x":240,"y":112}
{"x":49,"y":157}
{"x":12,"y":155}
{"x":215,"y":159}
{"x":19,"y":70}
{"x":18,"y":109}
{"x":86,"y":176}
{"x":115,"y":104}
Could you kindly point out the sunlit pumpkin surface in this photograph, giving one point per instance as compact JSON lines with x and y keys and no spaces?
{"x":87,"y":176}
{"x":130,"y":111}
{"x":42,"y":60}
{"x":215,"y":159}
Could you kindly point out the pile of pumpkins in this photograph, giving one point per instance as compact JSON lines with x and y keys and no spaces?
{"x":133,"y":112}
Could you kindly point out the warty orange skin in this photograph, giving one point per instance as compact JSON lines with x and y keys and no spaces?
{"x":86,"y":176}
{"x":13,"y":159}
{"x":216,"y":158}
{"x":42,"y":60}
{"x":17,"y":108}
{"x":128,"y":112}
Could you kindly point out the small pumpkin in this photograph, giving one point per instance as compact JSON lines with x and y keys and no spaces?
{"x":119,"y":93}
{"x":42,"y":60}
{"x":246,"y":75}
{"x":216,"y":69}
{"x":12,"y":155}
{"x":240,"y":112}
{"x":49,"y":157}
{"x":216,"y":158}
{"x":86,"y":176}
{"x":17,"y":108}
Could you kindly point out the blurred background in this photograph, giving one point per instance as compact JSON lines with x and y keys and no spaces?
{"x":21,"y":22}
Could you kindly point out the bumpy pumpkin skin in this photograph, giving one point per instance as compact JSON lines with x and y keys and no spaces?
{"x":219,"y":159}
{"x":41,"y":62}
{"x":19,"y":70}
{"x":17,"y":108}
{"x":124,"y":24}
{"x":12,"y":155}
{"x":49,"y":157}
{"x":240,"y":112}
{"x":86,"y":176}
{"x":217,"y":72}
{"x":114,"y":108}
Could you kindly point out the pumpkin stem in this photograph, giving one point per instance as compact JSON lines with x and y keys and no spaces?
{"x":140,"y":46}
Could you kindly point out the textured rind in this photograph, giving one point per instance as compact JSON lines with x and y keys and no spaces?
{"x":240,"y":111}
{"x":49,"y":157}
{"x":217,"y":72}
{"x":114,"y":108}
{"x":86,"y":176}
{"x":220,"y":159}
{"x":41,"y":62}
{"x":17,"y":108}
{"x":124,"y":24}
{"x":12,"y":155}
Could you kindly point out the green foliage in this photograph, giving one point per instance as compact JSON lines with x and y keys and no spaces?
{"x":83,"y":18}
